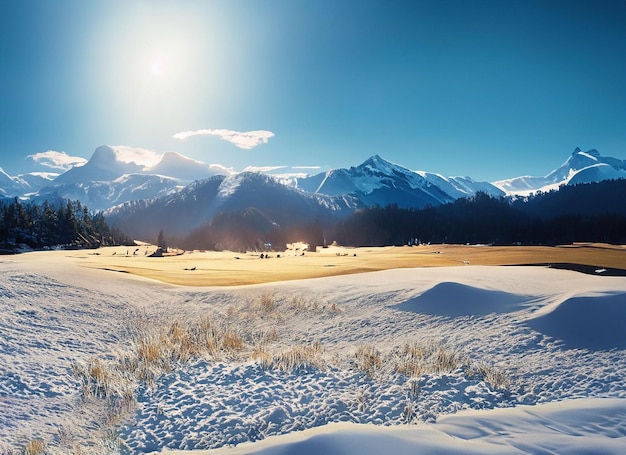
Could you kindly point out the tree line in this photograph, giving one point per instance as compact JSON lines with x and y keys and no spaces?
{"x":583,"y":213}
{"x":66,"y":224}
{"x":593,"y":212}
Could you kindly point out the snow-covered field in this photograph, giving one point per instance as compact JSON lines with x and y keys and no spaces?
{"x":540,"y":362}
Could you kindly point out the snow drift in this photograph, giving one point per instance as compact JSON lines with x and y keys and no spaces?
{"x":588,"y":322}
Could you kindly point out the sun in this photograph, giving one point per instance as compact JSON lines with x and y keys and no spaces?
{"x":158,"y":65}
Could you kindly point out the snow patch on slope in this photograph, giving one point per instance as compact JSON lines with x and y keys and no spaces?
{"x":229,"y":186}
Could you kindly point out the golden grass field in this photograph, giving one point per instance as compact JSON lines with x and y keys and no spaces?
{"x":197,"y":268}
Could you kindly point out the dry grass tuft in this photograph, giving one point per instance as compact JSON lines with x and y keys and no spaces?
{"x":498,"y":379}
{"x":232,"y":341}
{"x":267,"y":302}
{"x":302,"y":304}
{"x":149,"y":349}
{"x":261,"y":355}
{"x":100,"y":379}
{"x":277,"y":305}
{"x":297,"y":357}
{"x":334,"y":308}
{"x":368,"y":359}
{"x":414,"y":360}
{"x":35,"y":447}
{"x":447,"y":361}
{"x":156,"y":348}
{"x":270,"y":336}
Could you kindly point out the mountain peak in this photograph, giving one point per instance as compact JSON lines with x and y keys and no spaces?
{"x":104,"y":165}
{"x":376,"y":160}
{"x":107,"y":158}
{"x":377,"y":164}
{"x":103,"y":154}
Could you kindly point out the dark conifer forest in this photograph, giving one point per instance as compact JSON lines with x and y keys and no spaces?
{"x":594,"y":212}
{"x":40,"y":225}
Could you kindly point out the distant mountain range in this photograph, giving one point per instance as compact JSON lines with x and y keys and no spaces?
{"x":580,"y":167}
{"x":179,"y":194}
{"x":379,"y":182}
{"x":106,"y":180}
{"x":23,"y":185}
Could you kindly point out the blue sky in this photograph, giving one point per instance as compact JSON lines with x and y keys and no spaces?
{"x":489,"y":89}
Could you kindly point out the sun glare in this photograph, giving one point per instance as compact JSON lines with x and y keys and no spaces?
{"x":158,"y":65}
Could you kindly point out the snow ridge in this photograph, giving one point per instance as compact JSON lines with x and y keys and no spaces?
{"x":580,"y":167}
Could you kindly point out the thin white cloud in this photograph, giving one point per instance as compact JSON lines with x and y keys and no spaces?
{"x":246,"y":140}
{"x":218,"y":169}
{"x":316,"y":168}
{"x":263,"y":169}
{"x":137,"y":155}
{"x":57,"y":160}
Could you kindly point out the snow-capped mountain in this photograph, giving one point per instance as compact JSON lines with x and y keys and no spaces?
{"x":10,"y":185}
{"x":199,"y":203}
{"x":377,"y":181}
{"x":37,"y":180}
{"x":100,"y":195}
{"x":266,"y":201}
{"x":105,"y":165}
{"x":580,"y":167}
{"x":22,"y":184}
{"x":107,"y":179}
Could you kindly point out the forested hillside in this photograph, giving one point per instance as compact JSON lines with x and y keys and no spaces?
{"x":41,"y":225}
{"x":593,"y":212}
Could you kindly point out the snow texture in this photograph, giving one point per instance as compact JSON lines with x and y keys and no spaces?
{"x":557,"y":334}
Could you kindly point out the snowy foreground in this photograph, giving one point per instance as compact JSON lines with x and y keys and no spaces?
{"x":556,"y":339}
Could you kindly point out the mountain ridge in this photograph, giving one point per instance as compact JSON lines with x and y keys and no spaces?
{"x":110,"y":178}
{"x":580,"y":167}
{"x":376,"y":181}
